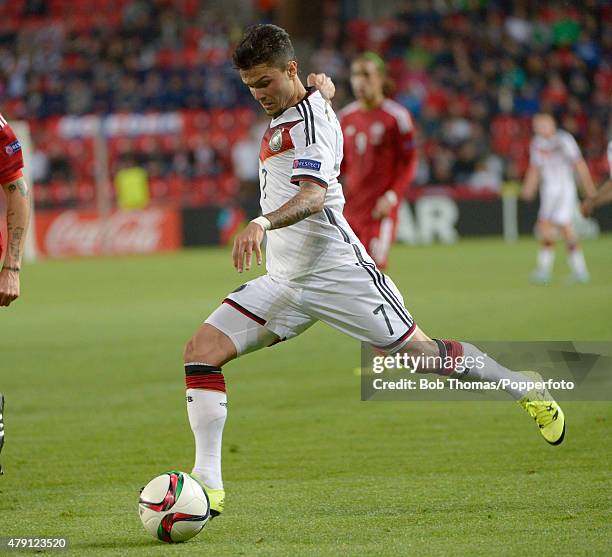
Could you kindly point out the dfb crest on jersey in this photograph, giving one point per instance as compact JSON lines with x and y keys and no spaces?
{"x":276,"y":141}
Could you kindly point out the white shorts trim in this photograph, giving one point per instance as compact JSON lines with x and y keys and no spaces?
{"x":246,"y":333}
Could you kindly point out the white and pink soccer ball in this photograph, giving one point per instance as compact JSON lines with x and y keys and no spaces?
{"x":173,"y":507}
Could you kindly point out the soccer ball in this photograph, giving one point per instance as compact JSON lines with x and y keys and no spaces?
{"x":173,"y":507}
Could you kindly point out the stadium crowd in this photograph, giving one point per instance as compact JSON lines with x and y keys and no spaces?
{"x":471,"y":87}
{"x":474,"y":87}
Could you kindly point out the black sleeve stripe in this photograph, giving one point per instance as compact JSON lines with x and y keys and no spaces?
{"x":308,"y":178}
{"x":297,"y":107}
{"x":301,"y":108}
{"x":312,"y":125}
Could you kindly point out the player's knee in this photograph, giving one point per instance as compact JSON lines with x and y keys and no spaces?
{"x":568,"y":233}
{"x":209,"y":346}
{"x":188,"y":351}
{"x":420,"y":345}
{"x":202,"y":350}
{"x":425,"y":348}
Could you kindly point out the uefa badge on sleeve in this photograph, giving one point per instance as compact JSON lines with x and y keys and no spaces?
{"x":12,"y":148}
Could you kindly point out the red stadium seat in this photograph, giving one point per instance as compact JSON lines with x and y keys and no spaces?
{"x":227,"y":187}
{"x":86,"y":193}
{"x":202,"y":191}
{"x":223,"y":120}
{"x":176,"y":188}
{"x":60,"y":193}
{"x":158,"y":188}
{"x":245,"y":117}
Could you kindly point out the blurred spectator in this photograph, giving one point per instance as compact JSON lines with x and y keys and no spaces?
{"x":465,"y":164}
{"x":39,"y":166}
{"x":470,"y":72}
{"x":131,"y":185}
{"x":245,"y":156}
{"x":483,"y":178}
{"x":442,"y":167}
{"x":60,"y":169}
{"x":518,"y":26}
{"x":207,"y":161}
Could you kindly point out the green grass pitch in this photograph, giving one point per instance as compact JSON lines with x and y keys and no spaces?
{"x":91,"y":365}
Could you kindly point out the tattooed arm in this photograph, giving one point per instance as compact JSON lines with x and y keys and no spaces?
{"x":17,"y":218}
{"x":308,"y":201}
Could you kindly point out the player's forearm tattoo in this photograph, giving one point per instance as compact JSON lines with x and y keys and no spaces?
{"x":307,"y":202}
{"x":15,"y":236}
{"x":291,"y":212}
{"x":17,"y":217}
{"x":19,"y":185}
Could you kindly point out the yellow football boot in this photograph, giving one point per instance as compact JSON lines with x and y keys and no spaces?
{"x":541,"y":406}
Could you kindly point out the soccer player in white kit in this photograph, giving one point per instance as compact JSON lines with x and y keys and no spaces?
{"x":316,"y":267}
{"x":554,"y":156}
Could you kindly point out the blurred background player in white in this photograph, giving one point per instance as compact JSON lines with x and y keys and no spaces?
{"x":379,"y":156}
{"x":604,"y":194}
{"x":554,"y":156}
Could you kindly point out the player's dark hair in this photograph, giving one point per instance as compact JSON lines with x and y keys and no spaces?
{"x":264,"y":44}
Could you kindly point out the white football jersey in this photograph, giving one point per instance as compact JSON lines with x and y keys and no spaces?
{"x":610,"y":158}
{"x":555,"y":158}
{"x":305,"y":143}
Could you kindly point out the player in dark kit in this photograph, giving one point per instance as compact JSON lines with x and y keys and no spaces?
{"x":379,"y":157}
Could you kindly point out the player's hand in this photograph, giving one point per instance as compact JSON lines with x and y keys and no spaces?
{"x":383,"y":208}
{"x":587,"y":206}
{"x":245,"y":243}
{"x":527,"y":195}
{"x":9,"y":287}
{"x":323,"y":84}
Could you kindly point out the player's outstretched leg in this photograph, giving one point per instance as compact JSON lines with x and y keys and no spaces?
{"x":546,"y":255}
{"x":538,"y":403}
{"x":575,"y":257}
{"x":204,"y":355}
{"x":1,"y":426}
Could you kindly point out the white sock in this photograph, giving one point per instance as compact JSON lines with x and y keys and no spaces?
{"x":546,"y":259}
{"x":487,"y":369}
{"x":207,"y":412}
{"x":576,"y":261}
{"x":493,"y":371}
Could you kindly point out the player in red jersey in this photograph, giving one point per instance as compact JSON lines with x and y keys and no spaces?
{"x":17,"y":218}
{"x":17,"y":214}
{"x":379,"y":157}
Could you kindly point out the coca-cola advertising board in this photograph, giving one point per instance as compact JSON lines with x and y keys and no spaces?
{"x":80,"y":233}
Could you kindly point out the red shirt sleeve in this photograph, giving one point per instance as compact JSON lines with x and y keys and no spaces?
{"x":406,"y":161}
{"x":11,"y":177}
{"x":11,"y":156}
